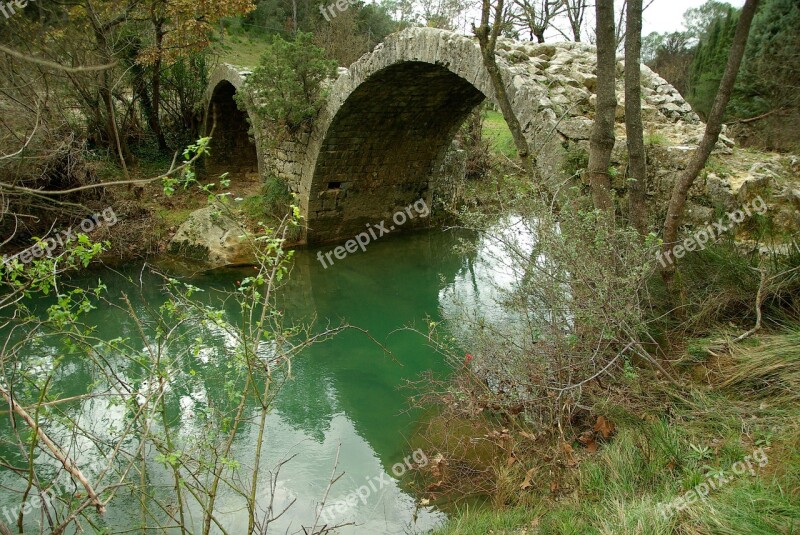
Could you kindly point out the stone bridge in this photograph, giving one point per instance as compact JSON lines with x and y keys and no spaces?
{"x":385,"y":131}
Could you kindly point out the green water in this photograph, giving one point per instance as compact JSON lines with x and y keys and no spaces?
{"x":345,"y":393}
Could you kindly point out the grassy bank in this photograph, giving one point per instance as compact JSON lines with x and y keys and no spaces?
{"x":671,"y":443}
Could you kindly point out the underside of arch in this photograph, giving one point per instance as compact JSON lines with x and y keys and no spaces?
{"x":383,"y":145}
{"x":232,"y":149}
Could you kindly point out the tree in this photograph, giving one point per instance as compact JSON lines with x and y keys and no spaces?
{"x":710,"y":60}
{"x":601,"y":142}
{"x":637,"y":162}
{"x":341,"y":39}
{"x":180,"y":27}
{"x":698,"y":20}
{"x":487,"y":34}
{"x":535,"y":15}
{"x":443,"y":13}
{"x":677,"y":201}
{"x":766,"y":101}
{"x":575,"y":11}
{"x":288,"y":82}
{"x":670,"y":56}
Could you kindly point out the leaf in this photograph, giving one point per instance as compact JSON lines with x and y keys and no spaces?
{"x":529,"y":436}
{"x":587,"y":439}
{"x":528,"y":476}
{"x":511,"y":460}
{"x":569,"y":453}
{"x":604,"y":426}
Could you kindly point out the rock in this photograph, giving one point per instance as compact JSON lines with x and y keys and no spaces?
{"x":576,"y":128}
{"x":795,"y":198}
{"x":213,"y":238}
{"x":753,"y":186}
{"x":697,"y":214}
{"x":719,"y":193}
{"x":589,"y":81}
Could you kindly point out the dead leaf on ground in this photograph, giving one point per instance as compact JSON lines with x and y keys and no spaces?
{"x":528,"y":476}
{"x":604,"y":426}
{"x":436,"y":465}
{"x":587,"y":439}
{"x":569,"y":453}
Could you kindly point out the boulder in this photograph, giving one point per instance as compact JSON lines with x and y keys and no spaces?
{"x":719,"y":193}
{"x":211,"y":237}
{"x":698,"y":215}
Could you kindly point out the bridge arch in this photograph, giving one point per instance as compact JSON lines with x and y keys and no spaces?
{"x":388,"y":121}
{"x":235,"y":145}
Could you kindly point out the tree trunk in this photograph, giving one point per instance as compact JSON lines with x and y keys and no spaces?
{"x":487,"y":39}
{"x":155,"y":117}
{"x":602,"y":137}
{"x":677,"y":202}
{"x":637,"y":161}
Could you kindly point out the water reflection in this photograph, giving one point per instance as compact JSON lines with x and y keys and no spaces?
{"x":343,"y":394}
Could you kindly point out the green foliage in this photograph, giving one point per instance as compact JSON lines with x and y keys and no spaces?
{"x":769,"y":75}
{"x":655,"y":139}
{"x":575,"y":161}
{"x":711,"y":56}
{"x":698,"y":20}
{"x":496,"y":131}
{"x":289,"y":82}
{"x":273,"y":201}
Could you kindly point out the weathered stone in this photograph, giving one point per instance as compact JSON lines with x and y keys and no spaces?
{"x":759,"y":180}
{"x":576,"y":128}
{"x":386,"y":125}
{"x":212,"y":238}
{"x":719,"y":193}
{"x":698,"y":215}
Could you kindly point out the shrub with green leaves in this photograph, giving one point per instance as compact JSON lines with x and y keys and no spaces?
{"x":287,"y":86}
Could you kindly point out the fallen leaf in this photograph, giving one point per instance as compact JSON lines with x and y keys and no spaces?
{"x":604,"y":426}
{"x":528,"y":476}
{"x":529,"y":436}
{"x":436,"y":463}
{"x":568,"y":450}
{"x":511,"y":460}
{"x":587,"y":439}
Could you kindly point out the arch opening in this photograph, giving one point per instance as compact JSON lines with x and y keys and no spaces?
{"x":384,"y":146}
{"x":232,"y":148}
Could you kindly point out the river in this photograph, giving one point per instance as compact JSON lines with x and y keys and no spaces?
{"x":345,"y":395}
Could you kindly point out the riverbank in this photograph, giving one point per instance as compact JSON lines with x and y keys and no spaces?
{"x":659,"y":458}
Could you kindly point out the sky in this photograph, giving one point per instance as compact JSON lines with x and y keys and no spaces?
{"x":660,"y":16}
{"x":667,"y":15}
